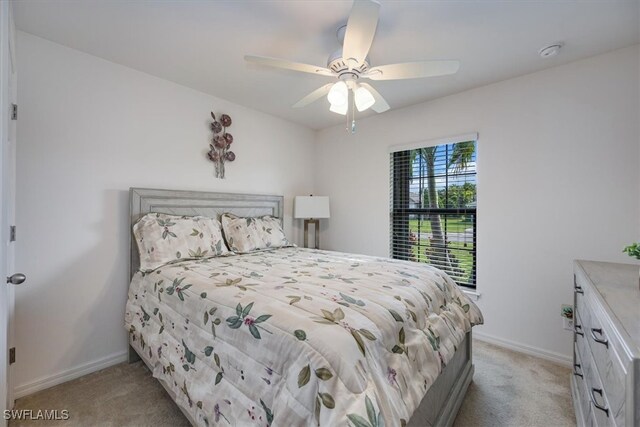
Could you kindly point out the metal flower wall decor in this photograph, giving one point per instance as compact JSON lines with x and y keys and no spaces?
{"x":222,"y":140}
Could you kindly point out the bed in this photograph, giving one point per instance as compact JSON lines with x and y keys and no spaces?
{"x":294,"y":336}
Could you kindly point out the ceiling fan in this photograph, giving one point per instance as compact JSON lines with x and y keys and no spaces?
{"x":351,"y":64}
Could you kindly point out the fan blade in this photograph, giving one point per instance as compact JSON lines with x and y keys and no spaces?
{"x":314,"y":96}
{"x":413,"y":70}
{"x":288,"y":65}
{"x":361,"y":28}
{"x":381,"y":105}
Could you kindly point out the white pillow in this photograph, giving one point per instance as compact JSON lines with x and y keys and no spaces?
{"x":165,"y":238}
{"x":251,"y":234}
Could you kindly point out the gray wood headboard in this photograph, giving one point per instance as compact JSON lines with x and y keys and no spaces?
{"x":177,"y":202}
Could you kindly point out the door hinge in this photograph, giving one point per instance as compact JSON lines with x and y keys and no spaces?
{"x":14,"y":111}
{"x":12,"y":233}
{"x":12,"y":355}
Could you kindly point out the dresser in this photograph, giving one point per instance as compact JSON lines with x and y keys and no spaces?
{"x":605,"y":382}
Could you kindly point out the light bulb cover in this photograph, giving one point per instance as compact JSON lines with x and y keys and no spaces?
{"x":364,"y":99}
{"x":338,"y":94}
{"x":340,"y":109}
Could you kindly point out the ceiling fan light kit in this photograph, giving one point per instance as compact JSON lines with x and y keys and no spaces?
{"x":338,"y":97}
{"x":351,"y":64}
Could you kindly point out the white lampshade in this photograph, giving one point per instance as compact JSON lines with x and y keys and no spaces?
{"x":339,"y":94}
{"x":340,"y":109}
{"x":311,"y":207}
{"x":363,"y":98}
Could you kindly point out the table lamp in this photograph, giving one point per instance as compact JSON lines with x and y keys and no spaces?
{"x":311,"y":209}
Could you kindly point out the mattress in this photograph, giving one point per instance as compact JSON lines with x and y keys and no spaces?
{"x":297,"y":337}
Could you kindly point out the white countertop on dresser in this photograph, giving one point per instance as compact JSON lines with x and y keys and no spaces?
{"x":618,"y":285}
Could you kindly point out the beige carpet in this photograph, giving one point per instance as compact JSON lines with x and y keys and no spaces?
{"x":508,"y":389}
{"x":512,"y":389}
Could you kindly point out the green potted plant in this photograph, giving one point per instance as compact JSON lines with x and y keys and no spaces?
{"x":633,"y":250}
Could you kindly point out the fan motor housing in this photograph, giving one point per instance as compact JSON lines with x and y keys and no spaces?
{"x":339,"y":66}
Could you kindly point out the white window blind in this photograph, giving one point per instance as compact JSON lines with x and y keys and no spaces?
{"x":433,"y":207}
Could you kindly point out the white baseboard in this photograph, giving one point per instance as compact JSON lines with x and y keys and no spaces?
{"x":69,"y":374}
{"x":552,"y":356}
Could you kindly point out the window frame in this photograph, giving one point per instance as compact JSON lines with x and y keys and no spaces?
{"x":400,"y":190}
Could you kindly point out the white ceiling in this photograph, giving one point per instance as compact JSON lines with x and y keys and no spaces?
{"x":201,"y":44}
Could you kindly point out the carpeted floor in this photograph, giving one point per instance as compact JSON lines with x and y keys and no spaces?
{"x":508,"y":389}
{"x":513,"y":389}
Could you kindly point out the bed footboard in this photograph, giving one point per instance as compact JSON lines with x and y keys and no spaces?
{"x":443,"y":400}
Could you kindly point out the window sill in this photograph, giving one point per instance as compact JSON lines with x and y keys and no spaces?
{"x":474,"y":295}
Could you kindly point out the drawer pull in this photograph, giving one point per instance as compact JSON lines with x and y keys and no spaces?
{"x":575,"y":370}
{"x":598,"y":331}
{"x":578,"y":289}
{"x":595,"y":402}
{"x":578,"y":330}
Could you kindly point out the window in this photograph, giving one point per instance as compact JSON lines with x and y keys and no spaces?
{"x":433,"y":207}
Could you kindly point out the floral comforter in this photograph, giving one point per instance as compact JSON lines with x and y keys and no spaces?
{"x":298,"y":337}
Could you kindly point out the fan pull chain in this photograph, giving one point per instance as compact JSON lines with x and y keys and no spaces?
{"x":346,"y":125}
{"x":353,"y":114}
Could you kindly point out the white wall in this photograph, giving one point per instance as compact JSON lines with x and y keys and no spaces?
{"x":558,"y":162}
{"x":88,"y":130}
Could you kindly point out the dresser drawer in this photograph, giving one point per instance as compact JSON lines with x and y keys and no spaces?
{"x":599,"y":341}
{"x":593,"y":396}
{"x":579,"y":391}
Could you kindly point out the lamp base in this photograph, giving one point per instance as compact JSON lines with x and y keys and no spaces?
{"x":316,"y":222}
